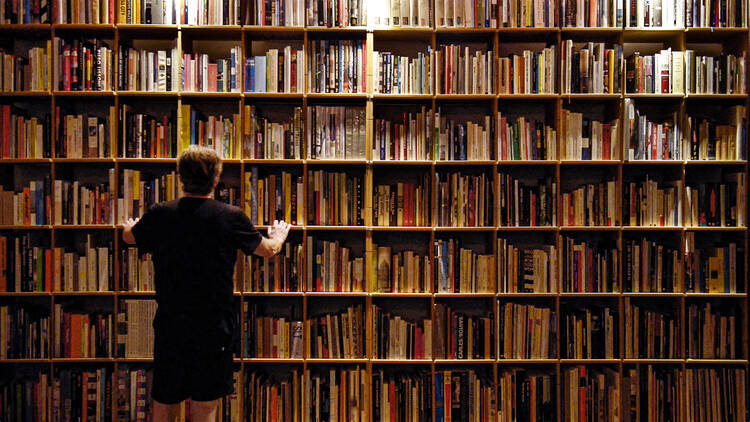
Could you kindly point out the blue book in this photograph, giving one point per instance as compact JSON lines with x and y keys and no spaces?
{"x":254,"y":195}
{"x":220,"y":76}
{"x":342,"y":65}
{"x":192,"y":126}
{"x":232,"y":76}
{"x":26,"y":14}
{"x":260,"y":74}
{"x":249,"y":74}
{"x":439,"y":400}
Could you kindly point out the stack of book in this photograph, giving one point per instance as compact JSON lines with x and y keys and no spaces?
{"x":650,"y":334}
{"x":140,"y":190}
{"x":463,"y":140}
{"x":591,"y":13}
{"x":220,"y":133}
{"x":712,"y":332}
{"x":277,"y":71}
{"x":334,"y":132}
{"x":146,"y":136}
{"x":136,"y":271}
{"x":84,"y":135}
{"x":587,"y":139}
{"x":277,"y":196}
{"x":402,"y":204}
{"x":135,"y":331}
{"x":82,"y":65}
{"x":24,"y":332}
{"x":524,"y":203}
{"x":84,"y":394}
{"x":272,"y":337}
{"x":336,"y":14}
{"x":338,"y":394}
{"x":23,"y":136}
{"x":26,"y":396}
{"x":527,"y":331}
{"x":208,"y":12}
{"x":660,"y":73}
{"x":711,"y":269}
{"x":281,"y":273}
{"x":527,"y":14}
{"x":29,"y":207}
{"x":132,"y":392}
{"x":264,"y":139}
{"x":531,"y":72}
{"x":651,"y":267}
{"x":464,"y":395}
{"x":525,"y":269}
{"x":337,"y":66}
{"x":469,"y":14}
{"x":588,"y":333}
{"x":525,"y":395}
{"x":338,"y":335}
{"x":591,"y":68}
{"x":262,"y":390}
{"x":410,"y":138}
{"x":76,"y":203}
{"x":525,"y":139}
{"x":716,"y":204}
{"x":588,"y":266}
{"x":591,"y":394}
{"x":395,"y":337}
{"x":334,"y":199}
{"x":726,"y":403}
{"x":26,"y":266}
{"x":662,"y":13}
{"x":90,"y":271}
{"x":22,"y":13}
{"x":462,"y":71}
{"x":590,"y":205}
{"x":711,"y":140}
{"x":275,"y":13}
{"x":647,"y":140}
{"x":83,"y":335}
{"x":730,"y":14}
{"x":199,"y":74}
{"x":462,"y":270}
{"x":400,"y":272}
{"x":714,"y":75}
{"x":143,"y":70}
{"x":395,"y":74}
{"x":333,"y":268}
{"x":464,"y":200}
{"x":389,"y":391}
{"x":30,"y":72}
{"x":652,"y":203}
{"x":461,"y":336}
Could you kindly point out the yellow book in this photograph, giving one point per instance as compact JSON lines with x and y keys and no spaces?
{"x":715,"y":275}
{"x":287,"y":196}
{"x":112,"y":133}
{"x":246,"y":199}
{"x":612,"y":71}
{"x":122,"y":11}
{"x":184,"y":136}
{"x":136,"y":185}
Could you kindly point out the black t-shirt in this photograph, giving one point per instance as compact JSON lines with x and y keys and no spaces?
{"x":194,"y":242}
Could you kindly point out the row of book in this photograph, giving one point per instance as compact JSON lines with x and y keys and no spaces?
{"x":201,"y":74}
{"x":334,"y":198}
{"x":395,"y":337}
{"x":401,"y":396}
{"x":527,"y":269}
{"x":465,"y":200}
{"x":135,"y":331}
{"x":461,"y":141}
{"x":269,"y":397}
{"x":337,"y":66}
{"x":457,"y":13}
{"x":591,"y":14}
{"x":716,"y":204}
{"x":525,"y":395}
{"x":143,"y":70}
{"x":24,"y":333}
{"x":339,"y":394}
{"x":140,"y":190}
{"x":334,"y":132}
{"x":78,"y":334}
{"x":527,"y":14}
{"x":587,"y":139}
{"x":658,"y":13}
{"x":281,"y":273}
{"x":85,"y":12}
{"x":23,"y":135}
{"x":652,"y":140}
{"x":531,"y":72}
{"x":28,"y":207}
{"x":400,"y":271}
{"x":331,"y":267}
{"x":143,"y":135}
{"x":338,"y":13}
{"x":462,"y":270}
{"x":524,"y":202}
{"x":395,"y":74}
{"x":712,"y":331}
{"x":409,"y":138}
{"x":724,"y":74}
{"x":274,"y":13}
{"x":589,"y":266}
{"x":729,"y":14}
{"x":590,"y":68}
{"x":84,"y":135}
{"x":464,"y":395}
{"x":651,"y":267}
{"x":220,"y":133}
{"x":136,"y":271}
{"x":652,"y":203}
{"x":712,"y":269}
{"x":266,"y":139}
{"x":82,"y":65}
{"x":29,"y":72}
{"x":78,"y":203}
{"x":660,"y":73}
{"x":526,"y":332}
{"x":276,"y":71}
{"x":591,"y":394}
{"x":21,"y":12}
{"x":650,"y":333}
{"x":463,"y":71}
{"x":402,"y":204}
{"x":139,"y":12}
{"x":274,"y":197}
{"x":714,"y":140}
{"x":525,"y":138}
{"x":272,"y":336}
{"x":588,"y":333}
{"x":338,"y":335}
{"x":590,"y":205}
{"x":459,"y":335}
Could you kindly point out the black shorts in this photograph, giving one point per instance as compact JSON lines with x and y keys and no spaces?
{"x":190,"y":369}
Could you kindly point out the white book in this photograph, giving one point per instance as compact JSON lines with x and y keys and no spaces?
{"x":405,"y":13}
{"x":423,"y":18}
{"x":162,"y":71}
{"x":678,"y":61}
{"x":395,"y":13}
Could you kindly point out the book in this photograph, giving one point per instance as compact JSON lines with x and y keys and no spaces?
{"x":201,"y":74}
{"x":462,"y":270}
{"x":652,"y":140}
{"x":83,"y":203}
{"x":142,"y":135}
{"x":81,"y":334}
{"x":329,"y":393}
{"x":332,"y":267}
{"x":463,"y":335}
{"x":588,"y":332}
{"x":82,"y":65}
{"x":651,"y":331}
{"x":261,"y":390}
{"x":24,"y":333}
{"x":591,"y":393}
{"x":400,"y":272}
{"x":142,"y":70}
{"x":466,"y":394}
{"x":729,"y":14}
{"x":278,"y":71}
{"x":527,"y":14}
{"x":83,"y":393}
{"x":730,"y":398}
{"x":526,"y":202}
{"x":140,"y":190}
{"x":712,"y":268}
{"x":26,"y":71}
{"x":20,"y":12}
{"x":589,"y":266}
{"x":402,"y":204}
{"x":263,"y":138}
{"x":277,"y":196}
{"x":218,"y":132}
{"x":27,"y":394}
{"x":280,"y":273}
{"x":24,"y":134}
{"x":84,"y":135}
{"x":456,"y":140}
{"x":389,"y":388}
{"x":337,"y":335}
{"x":277,"y":336}
{"x":654,"y":74}
{"x":525,"y":138}
{"x":334,"y":198}
{"x":526,"y":331}
{"x":281,"y":13}
{"x":135,"y":332}
{"x":590,"y":68}
{"x":337,"y":66}
{"x":335,"y":132}
{"x":396,"y":337}
{"x":724,"y":74}
{"x":336,"y":14}
{"x":525,"y":393}
{"x":464,"y":200}
{"x":655,"y":13}
{"x":587,"y":139}
{"x":462,"y":69}
{"x":651,"y":202}
{"x":530,"y":72}
{"x":722,"y":138}
{"x":717,"y":203}
{"x":590,"y":205}
{"x":397,"y":74}
{"x":468,"y":14}
{"x":651,"y":266}
{"x":592,"y":13}
{"x":30,"y":206}
{"x":712,"y":331}
{"x":409,"y":138}
{"x":136,"y":271}
{"x":526,"y":269}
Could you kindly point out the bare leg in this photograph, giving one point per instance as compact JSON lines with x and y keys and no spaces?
{"x":166,"y":412}
{"x":204,"y":411}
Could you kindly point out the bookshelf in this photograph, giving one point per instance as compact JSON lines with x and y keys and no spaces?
{"x":548,"y":109}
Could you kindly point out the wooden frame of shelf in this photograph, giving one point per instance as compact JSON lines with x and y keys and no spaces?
{"x":493,"y":35}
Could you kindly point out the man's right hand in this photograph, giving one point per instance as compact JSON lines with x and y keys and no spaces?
{"x":279,"y":230}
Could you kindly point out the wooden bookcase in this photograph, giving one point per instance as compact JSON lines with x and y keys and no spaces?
{"x":243,"y":35}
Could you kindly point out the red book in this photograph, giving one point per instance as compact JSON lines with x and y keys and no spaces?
{"x":75,"y":335}
{"x":582,"y":395}
{"x":212,"y":77}
{"x":533,"y":209}
{"x":5,"y":131}
{"x":47,"y":270}
{"x":3,"y":261}
{"x":606,"y":135}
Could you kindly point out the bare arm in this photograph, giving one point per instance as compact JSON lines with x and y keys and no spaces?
{"x":271,"y":245}
{"x":127,"y":232}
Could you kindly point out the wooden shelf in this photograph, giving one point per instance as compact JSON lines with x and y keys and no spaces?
{"x":32,"y":94}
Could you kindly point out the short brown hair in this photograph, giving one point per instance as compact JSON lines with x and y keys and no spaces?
{"x":199,"y":169}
